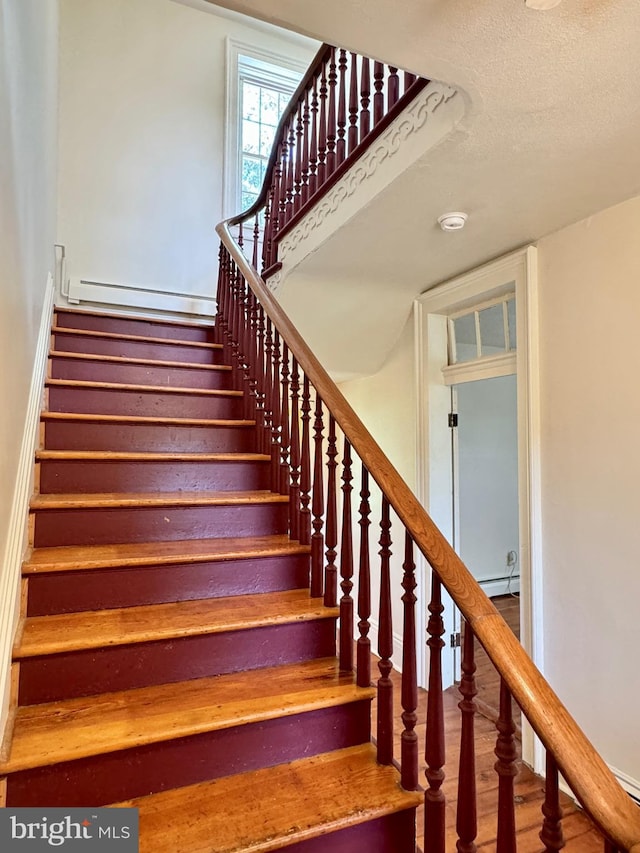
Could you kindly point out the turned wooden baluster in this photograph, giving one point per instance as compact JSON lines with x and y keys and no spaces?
{"x":246,"y":341}
{"x":291,"y":171}
{"x":276,"y":454}
{"x":294,"y":457}
{"x":365,"y":96}
{"x":282,"y":190}
{"x":240,"y":235}
{"x":409,"y":738}
{"x":364,"y":587}
{"x":267,"y":434}
{"x":341,"y":144}
{"x":313,"y":142}
{"x":393,"y":88}
{"x":297,"y":189}
{"x":346,"y":566}
{"x":322,"y":129}
{"x":466,"y":819}
{"x":507,"y":771}
{"x":305,"y":466}
{"x":551,"y":833}
{"x":331,"y":117}
{"x":434,"y":799}
{"x":378,"y":96}
{"x":256,"y":239}
{"x":409,"y":80}
{"x":352,"y":137}
{"x":331,"y":530}
{"x":611,"y":848}
{"x":385,"y":643}
{"x":317,"y":506}
{"x":258,"y":371}
{"x":306,"y":118}
{"x":284,"y":423}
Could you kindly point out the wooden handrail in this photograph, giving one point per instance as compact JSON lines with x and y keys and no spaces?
{"x":596,"y":788}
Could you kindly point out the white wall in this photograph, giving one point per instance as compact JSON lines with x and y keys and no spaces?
{"x":589,"y":319}
{"x":387,"y":406}
{"x":142,"y":108}
{"x":487,"y":476}
{"x":28,"y":108}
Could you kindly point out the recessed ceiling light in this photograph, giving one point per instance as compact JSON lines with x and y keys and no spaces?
{"x":452,"y":221}
{"x":541,"y":5}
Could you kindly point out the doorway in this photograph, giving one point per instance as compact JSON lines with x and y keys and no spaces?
{"x":511,"y":277}
{"x":485,"y":506}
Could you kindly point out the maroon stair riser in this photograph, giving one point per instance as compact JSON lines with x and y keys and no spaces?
{"x":126,"y":587}
{"x":130,"y":326}
{"x":136,"y":349}
{"x":60,"y":477}
{"x":186,"y":761}
{"x":122,"y":525}
{"x":84,"y":673}
{"x":394,"y":833}
{"x":151,"y":438}
{"x":140,"y":374}
{"x":155,"y":404}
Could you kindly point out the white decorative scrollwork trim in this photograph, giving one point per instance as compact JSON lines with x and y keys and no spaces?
{"x":385,"y":147}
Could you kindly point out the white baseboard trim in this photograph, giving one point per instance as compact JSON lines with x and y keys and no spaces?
{"x":18,"y":520}
{"x":500,"y":586}
{"x":139,"y":297}
{"x":631,"y":786}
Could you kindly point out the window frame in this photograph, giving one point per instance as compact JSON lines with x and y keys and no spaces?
{"x":263,"y":67}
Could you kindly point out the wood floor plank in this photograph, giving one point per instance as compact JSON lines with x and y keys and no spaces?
{"x":77,"y":728}
{"x":84,"y":557}
{"x":46,"y":635}
{"x":268,"y":809}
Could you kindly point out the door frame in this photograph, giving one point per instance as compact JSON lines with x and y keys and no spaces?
{"x":517,"y":272}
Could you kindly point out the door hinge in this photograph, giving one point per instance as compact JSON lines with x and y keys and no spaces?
{"x":455,"y":640}
{"x":453,"y":419}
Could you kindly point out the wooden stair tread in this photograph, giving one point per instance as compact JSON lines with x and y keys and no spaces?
{"x":147,"y":456}
{"x":144,"y":499}
{"x":83,"y":417}
{"x":76,"y":728}
{"x":124,"y":315}
{"x":46,"y":635}
{"x":118,"y":359}
{"x":268,"y":809}
{"x":83,"y":557}
{"x":124,"y":386}
{"x":93,"y":333}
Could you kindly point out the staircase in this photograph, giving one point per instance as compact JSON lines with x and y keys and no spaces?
{"x":170,"y":656}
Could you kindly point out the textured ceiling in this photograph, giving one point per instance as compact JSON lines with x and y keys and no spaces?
{"x":551,"y":132}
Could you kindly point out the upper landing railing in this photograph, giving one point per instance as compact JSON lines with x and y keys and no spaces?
{"x":343,"y":103}
{"x":319,"y":446}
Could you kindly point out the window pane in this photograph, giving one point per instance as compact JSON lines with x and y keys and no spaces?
{"x":266,"y":139}
{"x":492,"y":339}
{"x":464,"y":329}
{"x":251,"y":174}
{"x":248,"y":199}
{"x":250,"y":137}
{"x":269,"y":111}
{"x":250,"y":101}
{"x":511,"y":314}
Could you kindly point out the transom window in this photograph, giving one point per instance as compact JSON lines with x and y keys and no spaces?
{"x":485,"y":331}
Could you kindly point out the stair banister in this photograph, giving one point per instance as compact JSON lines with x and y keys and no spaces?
{"x":313,"y":147}
{"x":585,"y":771}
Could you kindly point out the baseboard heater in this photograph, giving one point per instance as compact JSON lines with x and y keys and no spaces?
{"x":501,"y":585}
{"x":147,"y":299}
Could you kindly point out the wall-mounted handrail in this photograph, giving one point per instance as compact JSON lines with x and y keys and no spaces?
{"x":261,"y":338}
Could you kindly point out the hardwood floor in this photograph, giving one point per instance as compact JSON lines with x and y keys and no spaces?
{"x":487,"y":679}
